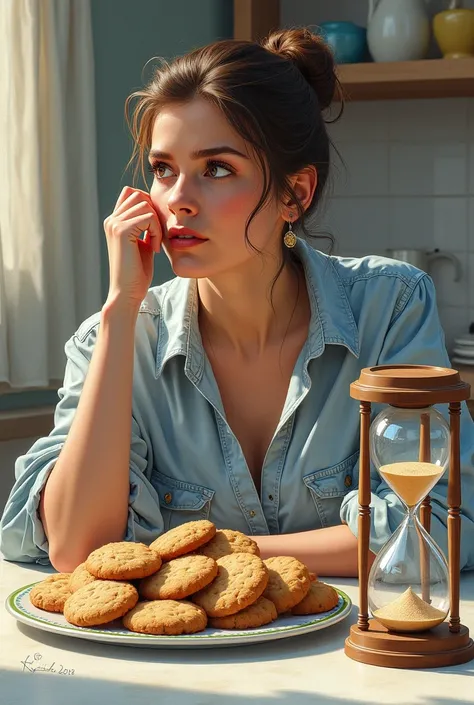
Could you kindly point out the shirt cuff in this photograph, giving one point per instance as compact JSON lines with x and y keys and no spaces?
{"x":386,"y":514}
{"x":23,"y":536}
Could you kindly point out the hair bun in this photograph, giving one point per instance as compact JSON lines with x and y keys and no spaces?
{"x":311,"y":55}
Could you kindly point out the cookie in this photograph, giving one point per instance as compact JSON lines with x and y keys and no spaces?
{"x":312,"y":576}
{"x":179,"y":578}
{"x":226,"y":542}
{"x":100,"y":602}
{"x":261,"y":612}
{"x":80,"y":577}
{"x":123,"y":560}
{"x":51,"y":594}
{"x":320,"y":598}
{"x":183,"y":539}
{"x":166,"y":617}
{"x":288,"y":582}
{"x":240,"y":581}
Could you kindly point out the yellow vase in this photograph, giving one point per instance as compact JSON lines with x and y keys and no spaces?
{"x":454,"y":32}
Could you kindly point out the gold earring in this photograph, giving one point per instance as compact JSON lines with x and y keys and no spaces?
{"x":290,"y":238}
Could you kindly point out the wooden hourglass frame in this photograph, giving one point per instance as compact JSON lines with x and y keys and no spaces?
{"x":411,"y":387}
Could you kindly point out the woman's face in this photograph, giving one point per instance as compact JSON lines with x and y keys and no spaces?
{"x":205,"y":181}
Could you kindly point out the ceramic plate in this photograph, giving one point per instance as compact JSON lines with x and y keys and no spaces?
{"x":463,"y":360}
{"x":468,"y":341}
{"x":19,"y":605}
{"x":464,"y":352}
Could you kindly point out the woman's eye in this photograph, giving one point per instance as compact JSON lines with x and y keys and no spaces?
{"x":215,"y":169}
{"x":159,"y":170}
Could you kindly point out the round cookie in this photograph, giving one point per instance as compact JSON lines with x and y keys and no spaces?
{"x":166,"y":617}
{"x":241,"y":580}
{"x":261,"y":612}
{"x":100,"y":602}
{"x":320,"y":598}
{"x":179,"y":578}
{"x":123,"y":560}
{"x":183,"y":539}
{"x":226,"y":542}
{"x":288,"y":582}
{"x":51,"y":594}
{"x":80,"y":577}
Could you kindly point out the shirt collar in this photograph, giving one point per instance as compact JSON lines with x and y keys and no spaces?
{"x":332,"y":320}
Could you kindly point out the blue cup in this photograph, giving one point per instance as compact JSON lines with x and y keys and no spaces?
{"x":347,"y":40}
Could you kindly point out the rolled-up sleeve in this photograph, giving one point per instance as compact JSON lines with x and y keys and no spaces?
{"x":415,"y":336}
{"x":22,"y":537}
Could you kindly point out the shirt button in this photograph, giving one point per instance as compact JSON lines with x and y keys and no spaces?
{"x":270,"y":497}
{"x":252,"y":513}
{"x":168,"y":497}
{"x":348,"y":480}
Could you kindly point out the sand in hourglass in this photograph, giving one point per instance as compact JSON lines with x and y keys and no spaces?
{"x":412,"y":481}
{"x":409,"y":613}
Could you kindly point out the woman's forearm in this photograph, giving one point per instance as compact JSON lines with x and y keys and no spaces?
{"x":331,"y":551}
{"x":85,"y":501}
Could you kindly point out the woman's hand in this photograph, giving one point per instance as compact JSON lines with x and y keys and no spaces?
{"x":131,"y":258}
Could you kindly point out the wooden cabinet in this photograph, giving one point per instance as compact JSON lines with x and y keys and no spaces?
{"x":434,"y":78}
{"x":253,"y":19}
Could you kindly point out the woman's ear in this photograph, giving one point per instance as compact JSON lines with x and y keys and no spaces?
{"x":304,"y":185}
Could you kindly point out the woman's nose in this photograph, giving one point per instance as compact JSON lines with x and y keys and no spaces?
{"x":180,"y":199}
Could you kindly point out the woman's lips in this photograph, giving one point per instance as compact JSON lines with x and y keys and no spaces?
{"x":183,"y":243}
{"x":183,"y":238}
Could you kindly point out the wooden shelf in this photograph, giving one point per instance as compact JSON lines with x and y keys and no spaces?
{"x":435,"y":78}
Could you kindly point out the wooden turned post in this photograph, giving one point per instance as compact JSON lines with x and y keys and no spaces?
{"x":454,"y":515}
{"x":425,"y":457}
{"x":364,"y":515}
{"x":425,"y":509}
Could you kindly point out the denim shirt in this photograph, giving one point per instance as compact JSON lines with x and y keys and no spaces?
{"x":185,"y":461}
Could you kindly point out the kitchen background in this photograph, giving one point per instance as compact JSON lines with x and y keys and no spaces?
{"x":407,"y":180}
{"x":408,"y":174}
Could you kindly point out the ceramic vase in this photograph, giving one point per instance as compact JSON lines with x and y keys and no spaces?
{"x":347,"y":40}
{"x":398,"y":30}
{"x":454,"y":33}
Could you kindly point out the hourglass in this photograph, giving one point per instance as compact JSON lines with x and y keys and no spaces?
{"x":411,"y":587}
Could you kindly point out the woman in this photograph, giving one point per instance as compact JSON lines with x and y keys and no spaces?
{"x":224,"y":394}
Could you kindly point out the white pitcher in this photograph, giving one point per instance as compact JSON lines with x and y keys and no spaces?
{"x":398,"y":30}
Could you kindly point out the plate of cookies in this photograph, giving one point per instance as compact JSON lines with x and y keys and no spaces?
{"x":193,"y":587}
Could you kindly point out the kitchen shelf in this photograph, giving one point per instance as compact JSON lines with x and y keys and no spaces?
{"x":431,"y":78}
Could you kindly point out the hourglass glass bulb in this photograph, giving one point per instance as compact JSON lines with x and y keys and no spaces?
{"x":408,"y":586}
{"x":410,"y":448}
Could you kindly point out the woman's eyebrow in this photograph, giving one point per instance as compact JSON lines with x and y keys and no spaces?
{"x":200,"y":154}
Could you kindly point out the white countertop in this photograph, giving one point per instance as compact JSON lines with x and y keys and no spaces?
{"x":294,"y":671}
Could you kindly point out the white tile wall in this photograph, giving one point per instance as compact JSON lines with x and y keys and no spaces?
{"x":408,"y":182}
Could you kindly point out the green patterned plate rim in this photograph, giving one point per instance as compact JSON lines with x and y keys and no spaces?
{"x":18,"y":610}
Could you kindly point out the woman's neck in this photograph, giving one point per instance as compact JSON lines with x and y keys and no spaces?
{"x":243,"y":312}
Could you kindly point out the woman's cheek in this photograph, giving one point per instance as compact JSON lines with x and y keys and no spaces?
{"x":157,"y":197}
{"x":238,"y":205}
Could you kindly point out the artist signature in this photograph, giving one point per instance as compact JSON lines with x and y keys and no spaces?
{"x":32,"y":664}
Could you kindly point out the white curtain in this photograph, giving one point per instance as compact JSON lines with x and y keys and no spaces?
{"x":49,"y":220}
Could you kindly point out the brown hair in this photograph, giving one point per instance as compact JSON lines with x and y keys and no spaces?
{"x":272,"y":93}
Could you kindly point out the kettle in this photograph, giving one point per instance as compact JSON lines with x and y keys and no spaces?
{"x":423,"y":259}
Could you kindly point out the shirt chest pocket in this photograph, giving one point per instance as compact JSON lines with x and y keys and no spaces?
{"x":181,"y":501}
{"x":328,"y":486}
